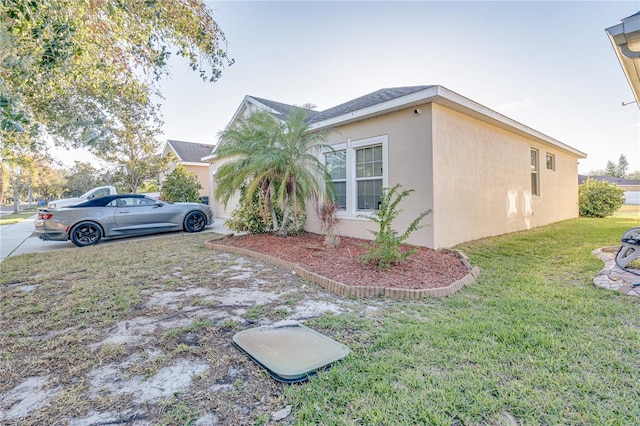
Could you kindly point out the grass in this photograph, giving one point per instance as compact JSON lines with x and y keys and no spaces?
{"x":10,"y":219}
{"x":629,"y":211}
{"x":533,"y":339}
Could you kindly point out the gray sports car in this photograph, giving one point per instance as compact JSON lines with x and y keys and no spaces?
{"x":121,"y":215}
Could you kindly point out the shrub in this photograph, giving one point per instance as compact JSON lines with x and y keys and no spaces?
{"x":181,"y":185}
{"x":385,"y":250}
{"x":247,"y":217}
{"x":599,"y":198}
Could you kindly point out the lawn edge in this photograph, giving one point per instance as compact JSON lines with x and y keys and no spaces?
{"x":345,"y":290}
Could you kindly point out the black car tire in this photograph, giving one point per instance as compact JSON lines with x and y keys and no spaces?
{"x":85,"y":234}
{"x":195,"y":222}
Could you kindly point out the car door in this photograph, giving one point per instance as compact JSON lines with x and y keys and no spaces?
{"x":141,"y":216}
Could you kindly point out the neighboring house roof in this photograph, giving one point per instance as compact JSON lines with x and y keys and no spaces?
{"x":625,"y":38}
{"x":610,"y":179}
{"x":188,"y":152}
{"x":385,"y":101}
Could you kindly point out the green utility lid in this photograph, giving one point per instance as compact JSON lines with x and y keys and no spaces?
{"x":289,"y":351}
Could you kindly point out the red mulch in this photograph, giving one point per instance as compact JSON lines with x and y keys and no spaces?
{"x":427,"y":268}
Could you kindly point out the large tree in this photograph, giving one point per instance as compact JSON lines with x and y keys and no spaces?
{"x":77,"y":67}
{"x":276,"y":158}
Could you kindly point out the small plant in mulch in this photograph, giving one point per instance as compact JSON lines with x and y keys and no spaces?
{"x":386,"y":249}
{"x":328,"y":214}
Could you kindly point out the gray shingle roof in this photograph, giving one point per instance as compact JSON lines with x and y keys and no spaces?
{"x":190,"y":152}
{"x":610,"y":179}
{"x":362,"y":102}
{"x":366,"y":101}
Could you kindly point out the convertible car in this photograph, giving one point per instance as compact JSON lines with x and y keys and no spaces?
{"x":121,"y":215}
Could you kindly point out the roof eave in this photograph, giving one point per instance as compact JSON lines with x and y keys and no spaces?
{"x":629,"y":58}
{"x":452,"y":100}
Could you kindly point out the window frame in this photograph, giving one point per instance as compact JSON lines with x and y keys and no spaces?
{"x":351,"y":146}
{"x":552,"y":157}
{"x":534,"y":156}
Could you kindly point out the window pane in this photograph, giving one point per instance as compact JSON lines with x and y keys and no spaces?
{"x":534,"y":159}
{"x":369,"y":162}
{"x":534,"y":184}
{"x":369,"y":192}
{"x":337,"y":164}
{"x":550,"y":162}
{"x":340,"y":194}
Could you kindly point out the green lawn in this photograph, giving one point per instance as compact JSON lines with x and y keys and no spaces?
{"x":533,"y":340}
{"x":10,"y":219}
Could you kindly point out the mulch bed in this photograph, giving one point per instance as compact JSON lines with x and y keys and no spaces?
{"x":426,"y":269}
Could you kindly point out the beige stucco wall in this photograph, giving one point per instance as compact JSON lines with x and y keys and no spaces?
{"x":219,"y":209}
{"x":202,"y":172}
{"x":409,"y":163}
{"x":482,"y":181}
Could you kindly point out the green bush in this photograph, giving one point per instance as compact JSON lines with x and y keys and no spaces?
{"x":599,"y":198}
{"x":248,"y":218}
{"x":181,"y":185}
{"x":385,"y":250}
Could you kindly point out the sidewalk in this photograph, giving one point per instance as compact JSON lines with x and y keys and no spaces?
{"x":19,"y":238}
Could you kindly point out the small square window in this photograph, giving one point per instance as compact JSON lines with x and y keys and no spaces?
{"x":551,"y":162}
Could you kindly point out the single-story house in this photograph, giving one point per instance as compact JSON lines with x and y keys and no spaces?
{"x":480,"y":172}
{"x":190,"y":154}
{"x":625,"y":38}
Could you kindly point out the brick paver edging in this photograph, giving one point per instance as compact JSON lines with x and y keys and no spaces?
{"x":357,"y":291}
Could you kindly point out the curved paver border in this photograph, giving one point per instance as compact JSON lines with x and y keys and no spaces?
{"x":357,"y":291}
{"x":613,"y":278}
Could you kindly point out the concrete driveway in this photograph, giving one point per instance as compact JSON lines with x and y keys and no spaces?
{"x":19,"y":239}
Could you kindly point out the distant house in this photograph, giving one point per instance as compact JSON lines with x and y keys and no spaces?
{"x":631,"y":187}
{"x":190,"y":155}
{"x":480,"y":172}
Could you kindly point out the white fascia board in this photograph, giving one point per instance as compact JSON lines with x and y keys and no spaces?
{"x":452,"y":100}
{"x":243,"y":105}
{"x":619,"y":35}
{"x":170,"y":146}
{"x":209,"y":158}
{"x":192,"y":163}
{"x":402,"y":102}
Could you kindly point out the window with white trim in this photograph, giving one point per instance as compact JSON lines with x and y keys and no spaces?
{"x":336,"y":163}
{"x":358,"y":170}
{"x":535,"y":181}
{"x":369,"y":177}
{"x":551,"y":161}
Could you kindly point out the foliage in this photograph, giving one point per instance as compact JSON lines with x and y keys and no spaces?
{"x":82,"y":177}
{"x":385,"y":250}
{"x":134,"y":154}
{"x":77,"y":69}
{"x":273,"y":157}
{"x":248,"y":217}
{"x":181,"y":185}
{"x":599,"y":198}
{"x":618,"y":170}
{"x":328,"y":214}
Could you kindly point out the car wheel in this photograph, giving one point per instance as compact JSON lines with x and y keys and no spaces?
{"x":195,"y":222}
{"x":85,"y":234}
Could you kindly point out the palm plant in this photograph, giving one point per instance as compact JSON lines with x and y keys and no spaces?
{"x":275,"y":157}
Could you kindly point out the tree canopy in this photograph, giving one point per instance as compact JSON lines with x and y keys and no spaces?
{"x":77,"y":68}
{"x":273,"y":157}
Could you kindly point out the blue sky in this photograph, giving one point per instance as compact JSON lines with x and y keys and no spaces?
{"x":548,"y":65}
